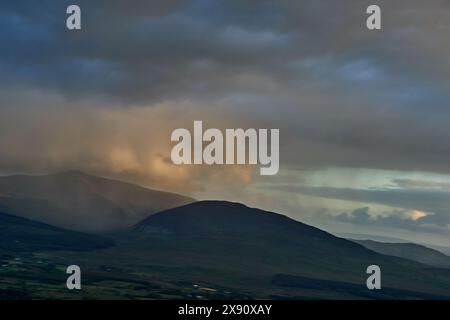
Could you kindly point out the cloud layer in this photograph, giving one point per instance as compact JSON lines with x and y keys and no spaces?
{"x":105,"y":99}
{"x":342,"y":95}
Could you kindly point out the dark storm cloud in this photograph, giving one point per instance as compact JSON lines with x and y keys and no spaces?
{"x":141,"y":52}
{"x":153,"y":49}
{"x":341,"y":95}
{"x":166,"y":49}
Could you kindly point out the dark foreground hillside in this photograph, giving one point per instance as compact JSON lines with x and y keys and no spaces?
{"x":216,"y":250}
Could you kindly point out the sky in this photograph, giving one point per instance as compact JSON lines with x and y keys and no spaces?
{"x":363,"y":115}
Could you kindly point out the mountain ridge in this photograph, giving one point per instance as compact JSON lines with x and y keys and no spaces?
{"x":79,"y":201}
{"x":411,"y":251}
{"x":232,"y":237}
{"x":20,"y":234}
{"x":238,"y":251}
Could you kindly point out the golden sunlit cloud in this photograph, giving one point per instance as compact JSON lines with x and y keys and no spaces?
{"x":131,"y":144}
{"x":417,"y":214}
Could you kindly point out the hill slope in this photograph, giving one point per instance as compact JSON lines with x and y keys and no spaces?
{"x":208,"y":249}
{"x":410,"y":251}
{"x":19,"y":235}
{"x":82,"y":202}
{"x":253,"y":247}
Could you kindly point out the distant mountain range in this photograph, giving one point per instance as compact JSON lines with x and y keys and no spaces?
{"x":383,"y":239}
{"x":409,"y":251}
{"x":205,"y":249}
{"x":82,"y":202}
{"x":358,"y":236}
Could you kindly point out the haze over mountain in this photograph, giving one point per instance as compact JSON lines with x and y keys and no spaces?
{"x":82,"y":202}
{"x":409,"y":251}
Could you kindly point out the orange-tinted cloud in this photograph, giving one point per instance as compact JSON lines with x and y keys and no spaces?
{"x":132,"y":144}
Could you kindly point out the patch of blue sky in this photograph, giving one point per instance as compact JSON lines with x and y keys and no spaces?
{"x":362,"y":178}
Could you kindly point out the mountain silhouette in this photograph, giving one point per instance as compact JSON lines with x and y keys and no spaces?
{"x":410,"y":251}
{"x":213,"y":249}
{"x":78,"y":201}
{"x":19,"y":234}
{"x":234,"y":240}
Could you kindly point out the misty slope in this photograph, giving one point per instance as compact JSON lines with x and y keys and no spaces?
{"x":410,"y":251}
{"x":82,"y":202}
{"x":231,"y":237}
{"x":19,"y":234}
